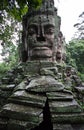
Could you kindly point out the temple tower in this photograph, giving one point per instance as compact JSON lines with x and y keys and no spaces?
{"x":42,"y":92}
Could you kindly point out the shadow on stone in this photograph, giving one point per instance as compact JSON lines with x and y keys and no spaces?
{"x":46,"y":124}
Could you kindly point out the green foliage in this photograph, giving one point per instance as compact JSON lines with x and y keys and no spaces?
{"x":8,"y":39}
{"x":76,"y":46}
{"x":69,"y":60}
{"x":17,"y":8}
{"x":75,"y":53}
{"x":9,"y":61}
{"x":3,"y":69}
{"x":81,"y":76}
{"x":12,"y":11}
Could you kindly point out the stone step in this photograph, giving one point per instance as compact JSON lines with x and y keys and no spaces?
{"x":71,"y":118}
{"x":3,"y":124}
{"x":44,"y":84}
{"x":64,"y":106}
{"x":21,"y":112}
{"x":20,"y":125}
{"x":62,"y":127}
{"x":60,"y":96}
{"x":25,"y":98}
{"x":68,"y":126}
{"x":12,"y":124}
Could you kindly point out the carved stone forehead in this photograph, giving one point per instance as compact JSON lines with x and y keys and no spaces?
{"x":42,"y":19}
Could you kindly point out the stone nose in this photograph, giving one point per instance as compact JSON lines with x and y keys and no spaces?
{"x":40,"y":36}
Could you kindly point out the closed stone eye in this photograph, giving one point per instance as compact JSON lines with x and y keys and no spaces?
{"x":49,"y":31}
{"x":31,"y":31}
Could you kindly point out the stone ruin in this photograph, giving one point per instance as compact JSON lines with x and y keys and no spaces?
{"x":42,"y":92}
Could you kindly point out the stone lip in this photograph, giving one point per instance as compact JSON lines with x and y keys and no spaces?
{"x":41,"y":52}
{"x":44,"y":84}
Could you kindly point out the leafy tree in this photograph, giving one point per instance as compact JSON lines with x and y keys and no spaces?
{"x":75,"y":49}
{"x":3,"y":69}
{"x":17,"y":8}
{"x":11,"y":13}
{"x":75,"y":54}
{"x":9,"y":34}
{"x":69,"y":60}
{"x":9,"y":40}
{"x":80,"y":27}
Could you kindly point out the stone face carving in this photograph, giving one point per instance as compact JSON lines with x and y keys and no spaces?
{"x":42,"y":39}
{"x":61,"y":48}
{"x":39,"y":93}
{"x":41,"y":35}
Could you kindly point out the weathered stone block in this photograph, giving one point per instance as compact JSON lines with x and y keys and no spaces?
{"x":44,"y":84}
{"x":25,"y":98}
{"x":60,"y":96}
{"x":71,"y":118}
{"x":20,"y":125}
{"x":20,"y":112}
{"x":3,"y":124}
{"x":64,"y":106}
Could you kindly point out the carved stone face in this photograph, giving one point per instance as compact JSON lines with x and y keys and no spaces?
{"x":41,"y":31}
{"x":58,"y":55}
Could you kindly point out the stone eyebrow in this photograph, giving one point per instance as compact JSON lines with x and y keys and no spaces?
{"x":33,"y":25}
{"x":49,"y":26}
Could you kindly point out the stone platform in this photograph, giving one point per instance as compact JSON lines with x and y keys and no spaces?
{"x":39,"y":100}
